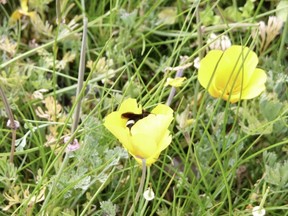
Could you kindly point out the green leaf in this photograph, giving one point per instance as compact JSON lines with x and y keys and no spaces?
{"x":232,"y":13}
{"x":250,"y":124}
{"x":248,"y":9}
{"x":108,"y":208}
{"x":128,"y":18}
{"x":270,"y":109}
{"x":167,"y":16}
{"x":282,"y":10}
{"x":276,"y":172}
{"x":208,"y":17}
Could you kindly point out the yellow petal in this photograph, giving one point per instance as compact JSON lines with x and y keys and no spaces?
{"x":164,"y":143}
{"x":117,"y":126}
{"x":130,"y":105}
{"x":208,"y":66}
{"x":152,"y":160}
{"x":16,"y":15}
{"x":143,"y":146}
{"x":154,"y":126}
{"x":235,"y":68}
{"x":114,"y":119}
{"x":32,"y":15}
{"x":166,"y":140}
{"x":256,"y":84}
{"x":162,"y":109}
{"x":214,"y":92}
{"x":255,"y":87}
{"x":24,"y":5}
{"x":233,"y":98}
{"x":149,"y":160}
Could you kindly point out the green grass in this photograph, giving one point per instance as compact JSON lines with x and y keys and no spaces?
{"x":228,"y":159}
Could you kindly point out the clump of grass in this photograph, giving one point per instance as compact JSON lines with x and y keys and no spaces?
{"x":224,"y":158}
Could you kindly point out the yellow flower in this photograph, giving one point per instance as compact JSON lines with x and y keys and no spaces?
{"x":144,"y":135}
{"x":232,"y":74}
{"x":175,"y":82}
{"x":23,"y":11}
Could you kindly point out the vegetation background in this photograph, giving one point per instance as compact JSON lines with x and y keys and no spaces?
{"x":224,"y":158}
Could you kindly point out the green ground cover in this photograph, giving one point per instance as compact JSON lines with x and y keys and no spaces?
{"x":67,"y":66}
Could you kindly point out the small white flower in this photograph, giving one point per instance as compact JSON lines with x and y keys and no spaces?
{"x":39,"y":94}
{"x":149,"y":194}
{"x":197,"y":63}
{"x":218,"y":42}
{"x":258,"y":211}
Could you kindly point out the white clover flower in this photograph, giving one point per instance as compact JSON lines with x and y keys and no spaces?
{"x":258,"y":211}
{"x":149,"y":194}
{"x":218,"y":42}
{"x":268,"y":32}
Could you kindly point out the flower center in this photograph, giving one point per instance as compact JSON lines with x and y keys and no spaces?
{"x":133,"y":118}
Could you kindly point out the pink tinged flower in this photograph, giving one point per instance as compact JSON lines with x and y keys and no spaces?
{"x":72,"y":146}
{"x":15,"y":126}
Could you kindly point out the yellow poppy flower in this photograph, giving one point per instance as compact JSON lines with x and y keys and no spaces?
{"x":144,"y":135}
{"x":232,"y":74}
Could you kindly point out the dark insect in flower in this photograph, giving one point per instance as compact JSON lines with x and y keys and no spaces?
{"x":133,"y":118}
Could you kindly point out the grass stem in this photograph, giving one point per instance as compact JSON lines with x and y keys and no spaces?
{"x":12,"y":122}
{"x":140,"y":189}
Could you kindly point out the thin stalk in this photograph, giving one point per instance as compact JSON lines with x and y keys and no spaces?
{"x":144,"y":207}
{"x":55,"y":53}
{"x":196,"y":90}
{"x":13,"y":126}
{"x":77,"y":109}
{"x":140,"y":189}
{"x":200,"y":45}
{"x":141,"y":206}
{"x":264,"y":197}
{"x":214,"y":28}
{"x":58,"y":12}
{"x":80,"y":77}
